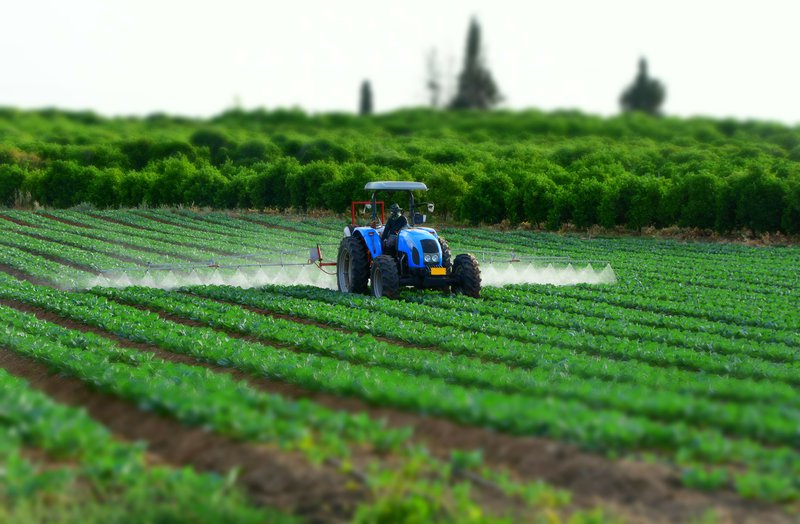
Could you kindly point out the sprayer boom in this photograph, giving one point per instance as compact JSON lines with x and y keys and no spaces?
{"x":297,"y":257}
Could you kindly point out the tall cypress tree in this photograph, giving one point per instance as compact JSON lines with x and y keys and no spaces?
{"x":365,"y":102}
{"x":476,"y":87}
{"x":645,"y":94}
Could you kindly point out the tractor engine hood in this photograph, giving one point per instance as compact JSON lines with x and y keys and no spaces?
{"x":418,"y":242}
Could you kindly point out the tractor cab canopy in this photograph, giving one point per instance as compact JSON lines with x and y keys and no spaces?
{"x":394,"y":185}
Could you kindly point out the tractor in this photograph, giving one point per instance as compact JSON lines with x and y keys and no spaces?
{"x":370,"y":261}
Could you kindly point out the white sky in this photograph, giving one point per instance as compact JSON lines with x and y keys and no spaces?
{"x":717,"y":58}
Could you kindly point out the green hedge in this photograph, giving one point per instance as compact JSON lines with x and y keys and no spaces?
{"x":543,"y":168}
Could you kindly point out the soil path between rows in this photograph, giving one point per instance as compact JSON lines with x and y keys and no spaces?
{"x":270,"y":476}
{"x":642,"y":492}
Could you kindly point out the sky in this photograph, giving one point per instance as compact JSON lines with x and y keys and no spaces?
{"x":198,"y":58}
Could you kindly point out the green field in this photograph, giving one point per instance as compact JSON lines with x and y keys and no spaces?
{"x":674,"y":388}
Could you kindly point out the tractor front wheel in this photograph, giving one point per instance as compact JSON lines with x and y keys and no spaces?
{"x":467,"y":276}
{"x":352,"y":266}
{"x":446,"y":256}
{"x":385,"y":279}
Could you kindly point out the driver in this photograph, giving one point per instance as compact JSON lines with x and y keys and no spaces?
{"x":396,"y":222}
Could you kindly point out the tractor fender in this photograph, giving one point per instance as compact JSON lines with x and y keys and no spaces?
{"x":372,"y":239}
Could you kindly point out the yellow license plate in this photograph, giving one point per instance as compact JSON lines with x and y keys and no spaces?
{"x":438,"y":271}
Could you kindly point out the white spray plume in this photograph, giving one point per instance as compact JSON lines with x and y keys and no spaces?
{"x":492,"y":275}
{"x":502,"y":274}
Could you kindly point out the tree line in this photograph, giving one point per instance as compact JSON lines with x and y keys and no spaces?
{"x":546,"y":169}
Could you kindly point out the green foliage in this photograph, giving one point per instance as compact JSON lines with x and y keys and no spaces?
{"x":557,"y":168}
{"x":65,"y":184}
{"x":692,"y":200}
{"x":12,"y":178}
{"x":485,"y":200}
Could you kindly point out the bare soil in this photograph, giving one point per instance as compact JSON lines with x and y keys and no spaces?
{"x":16,"y":273}
{"x":17,"y":221}
{"x":174,"y":224}
{"x":641,"y":492}
{"x":66,"y":221}
{"x":270,"y":476}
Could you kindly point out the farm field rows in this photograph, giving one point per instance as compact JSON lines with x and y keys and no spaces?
{"x":682,"y":376}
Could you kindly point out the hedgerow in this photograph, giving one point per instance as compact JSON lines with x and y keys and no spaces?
{"x":542,"y":168}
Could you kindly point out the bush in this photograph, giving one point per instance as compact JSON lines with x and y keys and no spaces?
{"x":171,"y":176}
{"x":446,"y":188}
{"x":104,"y":189}
{"x":254,"y":151}
{"x":692,"y":201}
{"x":12,"y":178}
{"x":759,"y":200}
{"x":65,"y":184}
{"x":485,"y":200}
{"x":538,"y":197}
{"x":632,"y":201}
{"x":790,"y":222}
{"x":268,"y":187}
{"x":306,"y":185}
{"x":204,"y":187}
{"x":217,"y":143}
{"x":587,"y":195}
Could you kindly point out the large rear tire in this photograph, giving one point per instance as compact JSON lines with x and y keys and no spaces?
{"x":467,"y":276}
{"x":352,"y":266}
{"x":385,"y":279}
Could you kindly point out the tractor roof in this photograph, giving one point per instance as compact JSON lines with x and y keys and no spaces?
{"x":395,"y":186}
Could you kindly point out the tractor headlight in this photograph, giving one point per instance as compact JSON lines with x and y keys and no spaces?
{"x":428,"y":258}
{"x":434,"y":258}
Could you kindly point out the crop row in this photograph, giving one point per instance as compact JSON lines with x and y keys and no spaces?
{"x":198,"y":396}
{"x":43,"y":269}
{"x":303,"y":303}
{"x":701,"y":305}
{"x":134,"y":241}
{"x":83,"y":249}
{"x":198,"y":231}
{"x":547,"y":300}
{"x":592,"y":428}
{"x":226,"y":224}
{"x":499,"y":334}
{"x":664,"y":268}
{"x":228,"y":227}
{"x":762,"y":421}
{"x":80,"y":453}
{"x":507,"y":318}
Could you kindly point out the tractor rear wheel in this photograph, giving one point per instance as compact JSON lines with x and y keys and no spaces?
{"x":446,"y":255}
{"x":385,"y":279}
{"x":352,"y":266}
{"x":467,"y":276}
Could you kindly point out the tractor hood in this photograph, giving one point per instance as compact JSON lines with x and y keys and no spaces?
{"x":418,"y":242}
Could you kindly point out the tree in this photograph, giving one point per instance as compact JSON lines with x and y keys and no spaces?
{"x":365,"y":104}
{"x":476,"y":87}
{"x":434,"y":78}
{"x":645,"y":94}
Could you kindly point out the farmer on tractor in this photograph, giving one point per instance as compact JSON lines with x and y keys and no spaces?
{"x":397,"y":221}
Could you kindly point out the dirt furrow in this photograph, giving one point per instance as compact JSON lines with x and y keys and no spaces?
{"x":270,"y":476}
{"x":643,"y":492}
{"x":17,"y":221}
{"x":16,"y":273}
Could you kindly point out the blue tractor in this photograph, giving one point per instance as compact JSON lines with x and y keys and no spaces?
{"x":381,"y":257}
